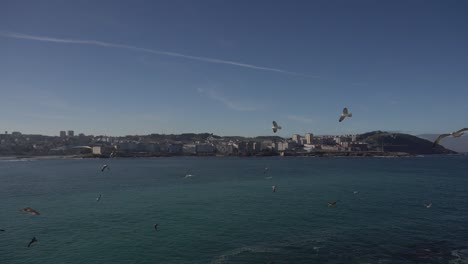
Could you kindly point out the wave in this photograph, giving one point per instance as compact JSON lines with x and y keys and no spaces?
{"x":460,"y":255}
{"x":16,"y":160}
{"x":223,"y":258}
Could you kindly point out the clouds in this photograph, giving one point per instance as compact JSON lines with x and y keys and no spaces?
{"x":229,"y":103}
{"x":156,"y":52}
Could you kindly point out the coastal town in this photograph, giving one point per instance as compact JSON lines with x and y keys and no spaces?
{"x":66,"y":143}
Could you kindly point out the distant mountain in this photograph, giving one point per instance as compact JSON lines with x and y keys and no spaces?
{"x":398,"y":142}
{"x":457,"y":144}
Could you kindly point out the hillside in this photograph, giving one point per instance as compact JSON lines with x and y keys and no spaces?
{"x":459,"y":144}
{"x":398,"y":142}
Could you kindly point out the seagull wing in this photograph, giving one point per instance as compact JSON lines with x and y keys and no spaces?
{"x":275,"y":124}
{"x":345,"y":111}
{"x":461,"y":130}
{"x":342,"y":117}
{"x":439,"y":138}
{"x":274,"y":129}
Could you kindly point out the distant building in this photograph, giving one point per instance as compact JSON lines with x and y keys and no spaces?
{"x":71,"y":133}
{"x":189,"y":149}
{"x":204,"y":149}
{"x":309,"y":138}
{"x":225,"y":149}
{"x":296,"y":138}
{"x":63,"y":134}
{"x":102,"y":150}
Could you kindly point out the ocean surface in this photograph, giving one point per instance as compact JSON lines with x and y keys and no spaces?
{"x":227,"y":213}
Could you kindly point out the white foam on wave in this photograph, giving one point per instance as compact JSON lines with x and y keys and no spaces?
{"x":16,"y":160}
{"x":235,"y":252}
{"x":461,"y":256}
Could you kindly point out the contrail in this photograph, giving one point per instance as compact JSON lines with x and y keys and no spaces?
{"x":157,"y":52}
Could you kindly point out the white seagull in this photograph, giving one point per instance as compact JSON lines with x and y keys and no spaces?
{"x":428,"y":205}
{"x":275,"y":127}
{"x":105,"y":166}
{"x":345,"y":114}
{"x":273,"y":188}
{"x":458,"y":133}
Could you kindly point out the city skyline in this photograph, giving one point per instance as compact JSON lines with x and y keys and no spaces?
{"x":232,"y":67}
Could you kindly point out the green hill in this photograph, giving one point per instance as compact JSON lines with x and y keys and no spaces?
{"x":398,"y":142}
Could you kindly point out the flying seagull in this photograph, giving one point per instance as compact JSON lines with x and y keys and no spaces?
{"x":429,"y":205}
{"x":105,"y":166}
{"x":332,"y":204}
{"x":156,"y":227}
{"x":33,"y":240}
{"x":355,"y":192}
{"x":29,"y":210}
{"x":275,"y":127}
{"x":458,"y":133}
{"x":273,"y":188}
{"x":345,"y":114}
{"x":188,"y":174}
{"x":98,"y":198}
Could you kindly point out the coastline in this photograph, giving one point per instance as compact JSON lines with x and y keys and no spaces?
{"x":260,"y":155}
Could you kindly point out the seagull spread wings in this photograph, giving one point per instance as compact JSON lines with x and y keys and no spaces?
{"x":439,"y":138}
{"x":461,"y":130}
{"x":345,"y":114}
{"x":275,"y":127}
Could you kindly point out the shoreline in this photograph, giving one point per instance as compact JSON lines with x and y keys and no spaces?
{"x":302,"y":155}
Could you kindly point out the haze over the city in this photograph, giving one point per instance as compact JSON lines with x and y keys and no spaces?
{"x":231,"y":67}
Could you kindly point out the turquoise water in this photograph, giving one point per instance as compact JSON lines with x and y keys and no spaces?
{"x":227,"y":212}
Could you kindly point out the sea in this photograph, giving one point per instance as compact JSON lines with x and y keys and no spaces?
{"x":227,"y":212}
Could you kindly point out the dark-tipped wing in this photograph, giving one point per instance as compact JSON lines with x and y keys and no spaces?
{"x":341,"y":118}
{"x":439,"y":138}
{"x":461,"y":130}
{"x":32,"y":241}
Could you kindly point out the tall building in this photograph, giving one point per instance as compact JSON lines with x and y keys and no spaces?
{"x":71,"y":133}
{"x":63,"y":134}
{"x":296,"y":138}
{"x":309,"y":137}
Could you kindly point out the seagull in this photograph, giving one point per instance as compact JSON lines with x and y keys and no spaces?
{"x":98,"y":198}
{"x":105,"y":166}
{"x":345,"y":114}
{"x":156,"y":227}
{"x":355,"y":192}
{"x":273,"y":188}
{"x":458,"y":133}
{"x":332,"y":204}
{"x":33,"y":240}
{"x":275,"y":127}
{"x":29,"y":210}
{"x":429,"y":205}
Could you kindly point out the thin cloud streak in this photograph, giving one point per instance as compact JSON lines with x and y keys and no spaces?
{"x":157,"y":52}
{"x":226,"y":101}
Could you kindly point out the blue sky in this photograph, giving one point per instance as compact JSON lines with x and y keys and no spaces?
{"x":231,"y":67}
